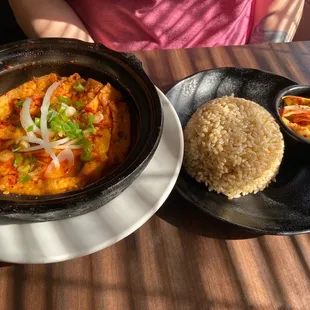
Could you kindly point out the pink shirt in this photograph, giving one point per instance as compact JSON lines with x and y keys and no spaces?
{"x":131,"y":25}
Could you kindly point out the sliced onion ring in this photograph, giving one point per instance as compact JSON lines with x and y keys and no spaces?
{"x":31,"y":139}
{"x":44,"y":129}
{"x":32,"y":148}
{"x":66,"y":154}
{"x":54,"y":144}
{"x":72,"y":147}
{"x":26,"y":120}
{"x":61,"y":141}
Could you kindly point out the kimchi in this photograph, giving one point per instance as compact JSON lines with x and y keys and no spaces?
{"x":296,"y":115}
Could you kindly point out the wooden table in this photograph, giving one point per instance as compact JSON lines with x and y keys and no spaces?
{"x":181,"y":258}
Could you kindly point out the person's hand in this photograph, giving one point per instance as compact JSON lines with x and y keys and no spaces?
{"x":276,"y":20}
{"x":49,"y":18}
{"x":48,"y":28}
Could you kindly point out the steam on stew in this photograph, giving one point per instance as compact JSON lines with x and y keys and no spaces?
{"x":60,"y":134}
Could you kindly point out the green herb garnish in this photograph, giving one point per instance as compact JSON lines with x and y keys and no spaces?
{"x":69,"y":129}
{"x":29,"y":162}
{"x":75,"y":130}
{"x":62,"y":112}
{"x":64,"y":116}
{"x":56,"y":124}
{"x":20,"y":103}
{"x":30,"y":128}
{"x":79,"y":104}
{"x":63,"y":99}
{"x":88,"y":131}
{"x":51,"y":115}
{"x":74,"y":126}
{"x":37,"y":121}
{"x":90,"y":127}
{"x":87,"y":149}
{"x":23,"y":169}
{"x":16,"y":147}
{"x":23,"y":179}
{"x":17,"y":160}
{"x":86,"y":157}
{"x":91,"y":119}
{"x":79,"y":87}
{"x":26,"y":160}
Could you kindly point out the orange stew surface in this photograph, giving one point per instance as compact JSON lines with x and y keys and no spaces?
{"x":60,"y":133}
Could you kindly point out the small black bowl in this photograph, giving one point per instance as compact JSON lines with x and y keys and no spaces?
{"x":294,"y":90}
{"x":22,"y":60}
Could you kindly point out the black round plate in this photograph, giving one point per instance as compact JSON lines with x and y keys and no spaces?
{"x":282,"y":208}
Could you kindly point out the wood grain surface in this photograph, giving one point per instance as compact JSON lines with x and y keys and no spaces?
{"x":181,"y":258}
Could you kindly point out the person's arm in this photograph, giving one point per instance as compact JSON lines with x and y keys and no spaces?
{"x":276,"y":20}
{"x":48,"y":18}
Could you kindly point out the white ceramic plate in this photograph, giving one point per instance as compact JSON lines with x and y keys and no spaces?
{"x":49,"y":242}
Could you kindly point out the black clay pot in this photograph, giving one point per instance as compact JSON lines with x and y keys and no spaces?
{"x":22,"y":60}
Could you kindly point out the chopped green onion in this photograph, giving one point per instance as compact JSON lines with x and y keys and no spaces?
{"x":79,"y":104}
{"x":73,"y":126}
{"x":37,"y":121}
{"x":64,"y":117}
{"x":75,"y":130}
{"x":66,"y":127}
{"x":88,"y":131}
{"x":69,"y":129}
{"x":87,"y":149}
{"x":17,"y":160}
{"x":23,"y":169}
{"x":26,"y":160}
{"x":91,"y":119}
{"x":20,"y":103}
{"x":79,"y":87}
{"x":30,"y":128}
{"x":90,"y":127}
{"x":63,"y":99}
{"x":56,"y":126}
{"x":23,"y":179}
{"x":86,"y":156}
{"x":61,"y":110}
{"x":51,"y":115}
{"x":16,"y":147}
